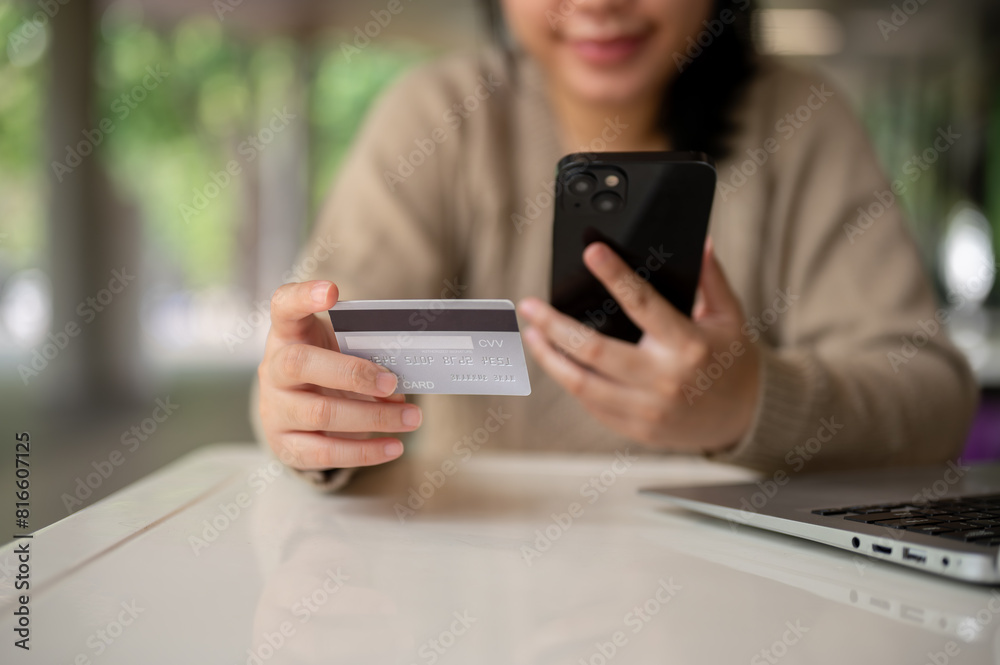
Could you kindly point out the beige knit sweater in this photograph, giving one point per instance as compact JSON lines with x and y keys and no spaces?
{"x":831,"y":299}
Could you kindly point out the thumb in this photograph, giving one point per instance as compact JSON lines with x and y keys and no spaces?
{"x":293,"y":306}
{"x":716,"y":298}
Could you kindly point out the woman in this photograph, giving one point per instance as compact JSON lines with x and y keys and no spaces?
{"x":445,"y":194}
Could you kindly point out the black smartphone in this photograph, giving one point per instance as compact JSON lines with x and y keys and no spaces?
{"x":652,"y":208}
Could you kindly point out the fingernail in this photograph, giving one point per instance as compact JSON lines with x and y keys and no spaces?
{"x":386,"y":382}
{"x":599,"y":252}
{"x":394,"y":449}
{"x":319,"y":292}
{"x":412,"y":416}
{"x":528,"y":308}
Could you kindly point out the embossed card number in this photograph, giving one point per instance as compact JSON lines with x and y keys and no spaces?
{"x":457,"y":347}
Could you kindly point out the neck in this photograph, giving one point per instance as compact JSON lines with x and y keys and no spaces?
{"x":599,"y":128}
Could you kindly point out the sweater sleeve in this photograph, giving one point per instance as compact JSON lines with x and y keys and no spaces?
{"x":858,"y":369}
{"x":384,"y":230}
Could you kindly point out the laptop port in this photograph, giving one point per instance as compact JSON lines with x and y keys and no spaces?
{"x":912,"y":613}
{"x":881,"y":549}
{"x":911,"y":554}
{"x":881,"y":604}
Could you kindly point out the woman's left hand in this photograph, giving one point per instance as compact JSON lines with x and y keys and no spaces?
{"x":688,"y":385}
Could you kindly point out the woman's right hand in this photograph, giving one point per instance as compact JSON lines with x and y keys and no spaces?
{"x":318,"y":406}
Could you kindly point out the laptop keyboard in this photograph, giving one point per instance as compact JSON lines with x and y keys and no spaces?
{"x":971,"y":519}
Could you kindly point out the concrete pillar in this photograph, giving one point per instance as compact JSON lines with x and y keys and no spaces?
{"x":87,"y":241}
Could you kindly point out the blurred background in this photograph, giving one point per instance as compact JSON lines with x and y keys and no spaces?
{"x":160,"y":162}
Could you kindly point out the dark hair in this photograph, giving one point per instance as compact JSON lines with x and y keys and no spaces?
{"x":714,"y":67}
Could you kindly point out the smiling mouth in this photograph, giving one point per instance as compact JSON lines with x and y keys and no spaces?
{"x":607,"y":52}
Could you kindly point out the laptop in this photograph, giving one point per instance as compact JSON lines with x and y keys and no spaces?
{"x":942,"y":519}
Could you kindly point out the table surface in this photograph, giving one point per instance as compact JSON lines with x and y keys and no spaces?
{"x":224,"y":557}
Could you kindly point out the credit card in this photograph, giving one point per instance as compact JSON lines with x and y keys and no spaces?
{"x":443,"y":347}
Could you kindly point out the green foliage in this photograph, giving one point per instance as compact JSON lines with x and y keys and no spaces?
{"x":169,"y":138}
{"x":162,"y":155}
{"x":21,"y":236}
{"x":343,"y":93}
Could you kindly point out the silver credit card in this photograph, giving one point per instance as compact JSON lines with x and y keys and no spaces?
{"x":448,"y":347}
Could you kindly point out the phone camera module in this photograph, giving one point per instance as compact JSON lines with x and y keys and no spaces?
{"x":607,"y":202}
{"x":582,"y":184}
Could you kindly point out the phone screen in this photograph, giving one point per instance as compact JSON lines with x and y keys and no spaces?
{"x":652,"y":208}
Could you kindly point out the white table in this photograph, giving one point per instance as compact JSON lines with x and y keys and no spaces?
{"x":293,"y":576}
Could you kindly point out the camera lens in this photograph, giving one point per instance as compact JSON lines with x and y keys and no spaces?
{"x":582,"y":184}
{"x":607,"y":202}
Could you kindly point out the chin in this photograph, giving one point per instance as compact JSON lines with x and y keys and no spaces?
{"x":612,"y":89}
